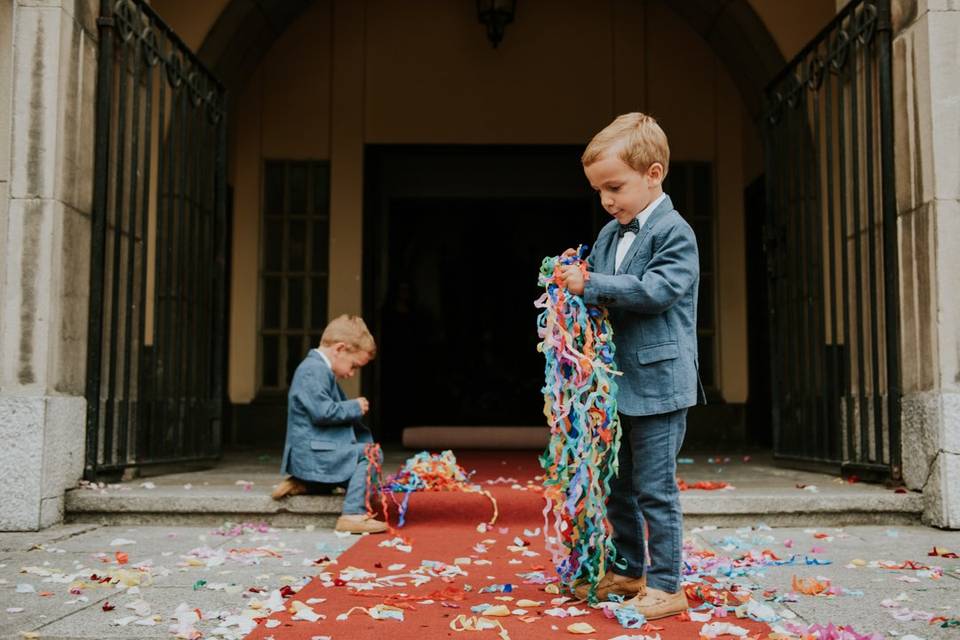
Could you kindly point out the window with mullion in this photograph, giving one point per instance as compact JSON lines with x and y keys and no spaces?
{"x":690,"y":186}
{"x":293,"y":267}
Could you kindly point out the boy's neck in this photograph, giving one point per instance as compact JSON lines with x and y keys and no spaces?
{"x":654,"y":194}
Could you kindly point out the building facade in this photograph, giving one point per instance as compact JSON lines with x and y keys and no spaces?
{"x":176,"y":237}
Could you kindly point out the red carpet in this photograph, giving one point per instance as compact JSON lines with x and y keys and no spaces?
{"x":443,"y":527}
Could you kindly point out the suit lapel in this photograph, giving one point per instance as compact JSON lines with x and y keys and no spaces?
{"x":608,"y":255}
{"x":662,"y":209}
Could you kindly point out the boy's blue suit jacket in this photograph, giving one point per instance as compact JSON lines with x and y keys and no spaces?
{"x":324,"y":433}
{"x":652,"y":299}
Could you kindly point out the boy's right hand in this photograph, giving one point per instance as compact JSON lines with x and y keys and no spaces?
{"x":364,"y":405}
{"x":569,"y":253}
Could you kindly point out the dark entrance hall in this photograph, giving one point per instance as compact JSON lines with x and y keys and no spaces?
{"x":455,"y":257}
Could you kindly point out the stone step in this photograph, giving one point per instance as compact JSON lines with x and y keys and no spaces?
{"x":214,"y":505}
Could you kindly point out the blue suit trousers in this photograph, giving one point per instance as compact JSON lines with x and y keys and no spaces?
{"x":644,"y":503}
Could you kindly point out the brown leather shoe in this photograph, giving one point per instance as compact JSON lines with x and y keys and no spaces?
{"x":289,"y":487}
{"x":359,"y":523}
{"x":613,"y":583}
{"x":659,"y":604}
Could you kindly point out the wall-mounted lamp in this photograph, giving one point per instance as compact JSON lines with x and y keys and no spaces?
{"x":495,"y":15}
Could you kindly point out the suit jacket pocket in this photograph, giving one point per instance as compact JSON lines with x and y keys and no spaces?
{"x":658,"y":352}
{"x":655,"y":376}
{"x":323,"y":445}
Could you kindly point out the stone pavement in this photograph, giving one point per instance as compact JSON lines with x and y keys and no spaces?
{"x":219,"y":574}
{"x":238,"y":488}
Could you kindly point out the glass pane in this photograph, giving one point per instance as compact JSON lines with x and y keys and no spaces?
{"x":270,"y":348}
{"x":321,"y":189}
{"x":273,"y":186}
{"x":297,"y":246}
{"x":319,"y":260}
{"x":705,"y":304}
{"x":273,"y":245}
{"x":295,"y":303}
{"x":318,"y":304}
{"x":271,"y":303}
{"x":703,"y":228}
{"x":706,"y":361}
{"x":702,"y":190}
{"x":314,"y":341}
{"x":676,"y":188}
{"x":298,"y":189}
{"x":295,"y":352}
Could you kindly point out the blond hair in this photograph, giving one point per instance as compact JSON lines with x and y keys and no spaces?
{"x":639,"y":141}
{"x":350,"y":330}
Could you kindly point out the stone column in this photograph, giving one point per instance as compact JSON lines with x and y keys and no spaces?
{"x":47,"y":77}
{"x":926,"y":52}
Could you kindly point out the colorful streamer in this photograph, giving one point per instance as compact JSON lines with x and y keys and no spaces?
{"x":422,"y":472}
{"x":581,"y":409}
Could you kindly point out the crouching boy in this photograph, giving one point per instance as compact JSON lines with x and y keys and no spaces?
{"x":325,"y":437}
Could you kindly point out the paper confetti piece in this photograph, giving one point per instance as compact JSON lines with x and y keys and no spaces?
{"x":580,"y":627}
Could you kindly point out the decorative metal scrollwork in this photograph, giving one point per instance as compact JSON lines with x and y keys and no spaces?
{"x":127,"y":19}
{"x":136,"y":27}
{"x":839,"y":51}
{"x":776,"y":112}
{"x":795,"y":93}
{"x":196,"y":91}
{"x":174,"y":67}
{"x":866,"y":22}
{"x":815,"y":69}
{"x":150,"y":47}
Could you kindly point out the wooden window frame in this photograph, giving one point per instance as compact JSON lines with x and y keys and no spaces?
{"x":312,"y":278}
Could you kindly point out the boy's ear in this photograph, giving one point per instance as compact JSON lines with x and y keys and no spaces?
{"x":655,"y":173}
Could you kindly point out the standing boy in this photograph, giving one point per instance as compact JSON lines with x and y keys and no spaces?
{"x":325,"y":438}
{"x":644,"y":268}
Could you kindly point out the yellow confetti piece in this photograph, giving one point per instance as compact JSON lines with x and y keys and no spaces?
{"x":473,"y":623}
{"x":580,"y":627}
{"x":552,"y":588}
{"x":858,"y":562}
{"x":498,"y":611}
{"x":529,"y":603}
{"x":504,"y":598}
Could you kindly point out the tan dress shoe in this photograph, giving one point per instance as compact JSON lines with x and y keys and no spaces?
{"x":659,"y":604}
{"x":613,"y":583}
{"x":360,"y":523}
{"x":289,"y":487}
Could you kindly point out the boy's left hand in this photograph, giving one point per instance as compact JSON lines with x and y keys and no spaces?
{"x":573,"y":279}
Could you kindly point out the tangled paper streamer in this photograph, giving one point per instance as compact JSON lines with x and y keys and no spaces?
{"x":422,"y":472}
{"x":581,"y":409}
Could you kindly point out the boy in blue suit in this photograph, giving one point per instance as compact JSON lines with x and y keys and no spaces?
{"x":645,"y":269}
{"x":325,"y":438}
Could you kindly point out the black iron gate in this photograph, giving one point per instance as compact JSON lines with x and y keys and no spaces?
{"x":155,"y":362}
{"x":831,"y":248}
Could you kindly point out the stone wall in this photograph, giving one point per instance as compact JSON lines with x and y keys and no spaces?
{"x":47,"y":81}
{"x":926,"y":52}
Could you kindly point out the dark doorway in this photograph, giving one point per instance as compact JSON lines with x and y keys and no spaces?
{"x":454,"y":241}
{"x":759,"y":409}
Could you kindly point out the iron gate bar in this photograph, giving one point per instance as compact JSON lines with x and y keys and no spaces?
{"x":144,"y":398}
{"x":891,"y":255}
{"x":157,"y":405}
{"x":836,"y":401}
{"x":98,"y":235}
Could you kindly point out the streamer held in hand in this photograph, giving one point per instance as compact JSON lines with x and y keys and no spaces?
{"x":580,"y":405}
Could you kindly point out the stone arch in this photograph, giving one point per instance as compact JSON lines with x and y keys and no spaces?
{"x":246,"y":29}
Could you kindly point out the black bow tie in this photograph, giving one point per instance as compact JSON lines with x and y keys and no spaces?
{"x":632,"y":226}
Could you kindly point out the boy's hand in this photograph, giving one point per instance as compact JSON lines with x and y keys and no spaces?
{"x":573,"y":279}
{"x":569,"y":253}
{"x":364,"y":405}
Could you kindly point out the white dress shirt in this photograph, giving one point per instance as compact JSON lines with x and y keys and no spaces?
{"x":325,"y":358}
{"x":623,"y":245}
